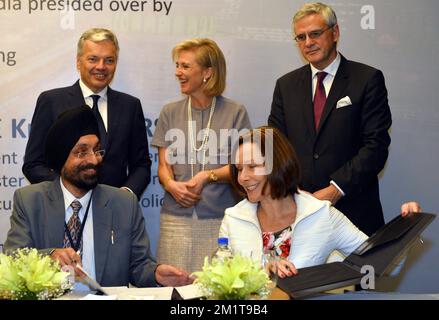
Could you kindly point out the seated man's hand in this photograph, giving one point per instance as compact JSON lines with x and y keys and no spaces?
{"x":409,"y":208}
{"x":170,"y":276}
{"x":67,"y":257}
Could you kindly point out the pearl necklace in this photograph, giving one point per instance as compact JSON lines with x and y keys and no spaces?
{"x":192,"y":141}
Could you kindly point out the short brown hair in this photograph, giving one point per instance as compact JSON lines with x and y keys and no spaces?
{"x":285,"y":174}
{"x":208,"y":55}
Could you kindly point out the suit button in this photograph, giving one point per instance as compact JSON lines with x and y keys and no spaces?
{"x":316,"y":156}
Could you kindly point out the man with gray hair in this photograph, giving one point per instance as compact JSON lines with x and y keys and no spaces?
{"x":335,"y":112}
{"x":120,"y":117}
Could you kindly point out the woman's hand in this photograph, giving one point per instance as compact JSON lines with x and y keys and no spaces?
{"x":409,"y":208}
{"x":286,"y":268}
{"x":182,"y":193}
{"x":197,"y":183}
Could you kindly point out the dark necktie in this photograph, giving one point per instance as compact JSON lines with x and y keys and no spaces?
{"x":319,"y":98}
{"x":101,"y":126}
{"x":74,"y":226}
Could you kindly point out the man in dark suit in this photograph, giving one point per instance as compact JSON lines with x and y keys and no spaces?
{"x":75,"y":220}
{"x":120,"y":116}
{"x":335,"y":113}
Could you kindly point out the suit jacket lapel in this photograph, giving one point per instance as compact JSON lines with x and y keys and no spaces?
{"x":55,"y":216}
{"x":75,"y":95}
{"x":102,"y":226}
{"x":306,"y":103}
{"x":341,"y":80}
{"x":113,"y":115}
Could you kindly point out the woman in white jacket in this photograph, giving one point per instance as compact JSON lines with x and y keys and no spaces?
{"x":276,"y":215}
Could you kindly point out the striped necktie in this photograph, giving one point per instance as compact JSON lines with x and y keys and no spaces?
{"x":74,"y":226}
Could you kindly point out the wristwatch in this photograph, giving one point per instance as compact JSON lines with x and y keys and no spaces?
{"x":212,"y":176}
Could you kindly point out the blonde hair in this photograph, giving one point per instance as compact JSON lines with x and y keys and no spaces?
{"x":207,"y":55}
{"x":97,"y":35}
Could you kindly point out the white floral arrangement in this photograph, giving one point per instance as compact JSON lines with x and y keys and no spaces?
{"x":28,"y":275}
{"x":236,"y":278}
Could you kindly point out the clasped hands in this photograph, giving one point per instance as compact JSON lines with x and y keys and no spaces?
{"x":187,"y":193}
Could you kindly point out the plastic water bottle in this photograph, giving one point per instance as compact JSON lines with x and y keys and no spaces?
{"x":223,"y":252}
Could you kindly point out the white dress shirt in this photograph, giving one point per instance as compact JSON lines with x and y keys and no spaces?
{"x":88,"y":257}
{"x":331,"y":71}
{"x":102,"y":102}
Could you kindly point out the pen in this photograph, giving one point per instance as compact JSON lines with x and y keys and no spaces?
{"x":79,"y":254}
{"x":92,"y":282}
{"x":112,"y":236}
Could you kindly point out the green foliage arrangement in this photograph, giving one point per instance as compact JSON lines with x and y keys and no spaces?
{"x":236,"y":278}
{"x":28,"y":275}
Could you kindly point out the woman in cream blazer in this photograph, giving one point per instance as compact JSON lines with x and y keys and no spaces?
{"x":276,"y":214}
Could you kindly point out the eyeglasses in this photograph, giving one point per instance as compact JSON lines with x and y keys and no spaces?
{"x":312,"y":35}
{"x":83,"y":155}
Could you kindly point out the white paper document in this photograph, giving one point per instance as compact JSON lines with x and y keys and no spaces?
{"x":91,"y":296}
{"x":125,"y":293}
{"x":191,"y":291}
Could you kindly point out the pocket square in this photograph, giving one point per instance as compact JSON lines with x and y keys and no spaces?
{"x":344,"y":102}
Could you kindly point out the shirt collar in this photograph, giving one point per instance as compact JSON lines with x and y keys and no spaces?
{"x":331,"y":69}
{"x":86,"y":92}
{"x":307,"y":205}
{"x":245,"y":210}
{"x":68,"y":199}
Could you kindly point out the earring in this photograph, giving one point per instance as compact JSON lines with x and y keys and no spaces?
{"x":204,"y":80}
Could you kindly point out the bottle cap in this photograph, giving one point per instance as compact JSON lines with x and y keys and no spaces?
{"x":223,"y":241}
